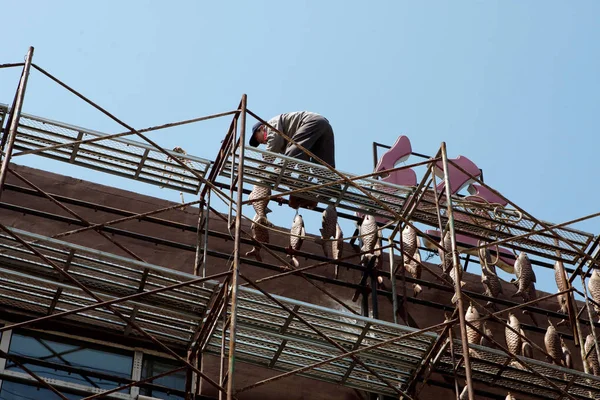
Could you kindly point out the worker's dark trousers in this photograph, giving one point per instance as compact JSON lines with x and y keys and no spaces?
{"x":315,"y":135}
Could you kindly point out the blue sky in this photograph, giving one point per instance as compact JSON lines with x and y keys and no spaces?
{"x":513,"y":85}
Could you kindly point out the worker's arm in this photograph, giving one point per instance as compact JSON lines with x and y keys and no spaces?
{"x":275,"y":142}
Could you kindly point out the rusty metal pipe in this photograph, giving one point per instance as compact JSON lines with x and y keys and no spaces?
{"x":457,"y":276}
{"x":14,"y":121}
{"x":235,"y":273}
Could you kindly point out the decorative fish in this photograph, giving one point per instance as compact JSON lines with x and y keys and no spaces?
{"x":337,"y":246}
{"x":525,"y":275}
{"x":566,"y":354}
{"x":513,"y":340}
{"x":453,"y":278}
{"x":530,"y":295}
{"x":445,"y":253}
{"x":472,"y":316}
{"x":414,"y":269}
{"x":378,"y":253}
{"x":562,"y":285}
{"x":488,"y":333}
{"x":409,"y":241}
{"x":260,"y":233}
{"x":297,"y":235}
{"x":410,"y":247}
{"x":260,"y":206}
{"x":490,"y":281}
{"x":369,"y":234}
{"x":592,"y":357}
{"x":328,"y":226}
{"x":594,"y":288}
{"x":553,"y":346}
{"x":526,"y":349}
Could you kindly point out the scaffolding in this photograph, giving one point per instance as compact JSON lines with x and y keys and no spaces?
{"x":233,"y":317}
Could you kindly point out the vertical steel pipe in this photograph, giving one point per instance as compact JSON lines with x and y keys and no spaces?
{"x":223,"y":337}
{"x":14,"y":120}
{"x":393,"y":278}
{"x":236,"y":253}
{"x":456,"y":266}
{"x":198,"y":258}
{"x":207,"y":219}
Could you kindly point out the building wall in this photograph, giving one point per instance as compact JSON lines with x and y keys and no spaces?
{"x":180,"y":255}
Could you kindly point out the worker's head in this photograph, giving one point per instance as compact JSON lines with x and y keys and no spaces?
{"x":258,"y":135}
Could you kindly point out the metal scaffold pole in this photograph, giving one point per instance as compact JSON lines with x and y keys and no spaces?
{"x":457,"y":276}
{"x":236,"y":256}
{"x":8,"y":140}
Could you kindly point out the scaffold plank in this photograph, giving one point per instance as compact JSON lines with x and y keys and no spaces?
{"x":268,"y":334}
{"x":126,"y":158}
{"x":260,"y":336}
{"x":28,"y":284}
{"x":135,"y":160}
{"x":479,"y":220}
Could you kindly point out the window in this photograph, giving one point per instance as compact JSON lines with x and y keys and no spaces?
{"x":71,"y":360}
{"x":20,"y":391}
{"x":160,"y":387}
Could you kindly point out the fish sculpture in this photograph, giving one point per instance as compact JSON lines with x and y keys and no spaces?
{"x":526,"y":349}
{"x":297,"y":235}
{"x":260,"y":232}
{"x":409,"y":241}
{"x":328,"y":226}
{"x":488,"y":334}
{"x":530,"y":295}
{"x":447,"y":265}
{"x":553,"y":346}
{"x":525,"y":276}
{"x":489,"y":279}
{"x":592,"y":357}
{"x":260,"y":206}
{"x":454,"y":278}
{"x":566,"y":354}
{"x":411,"y":256}
{"x":594,"y":289}
{"x":378,"y":253}
{"x":562,"y":284}
{"x":513,"y":340}
{"x":414,"y":269}
{"x":445,"y":253}
{"x":472,"y":316}
{"x":369,"y":234}
{"x":337,"y":246}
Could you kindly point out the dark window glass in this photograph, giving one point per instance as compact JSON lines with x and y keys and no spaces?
{"x":20,"y":391}
{"x":71,"y":361}
{"x":160,"y":387}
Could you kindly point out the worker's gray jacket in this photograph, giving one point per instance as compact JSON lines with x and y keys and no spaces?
{"x":287,"y":123}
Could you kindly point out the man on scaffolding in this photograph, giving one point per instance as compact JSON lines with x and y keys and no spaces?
{"x":309,"y":130}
